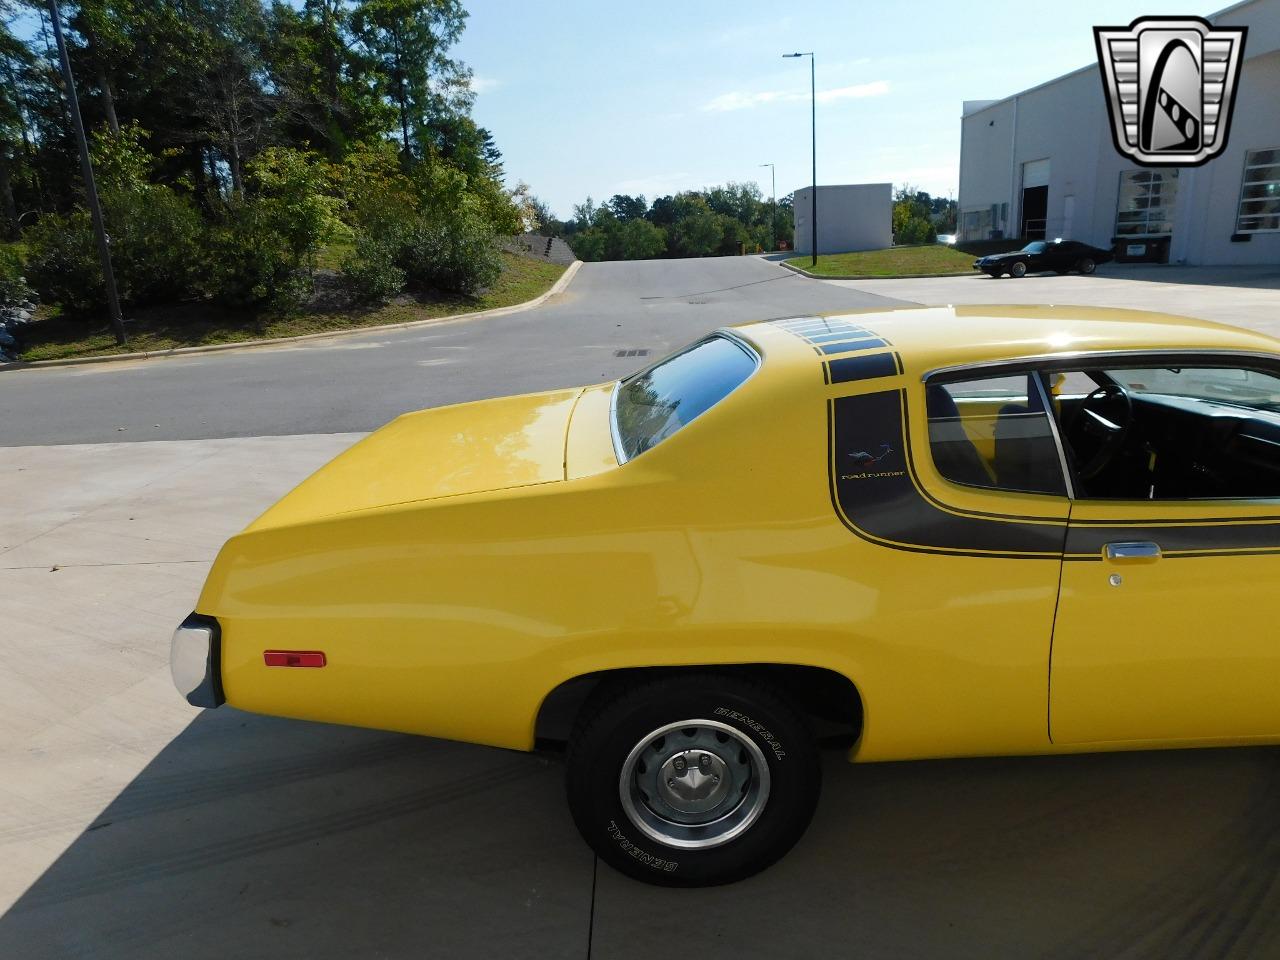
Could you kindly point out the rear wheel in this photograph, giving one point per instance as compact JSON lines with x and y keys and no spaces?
{"x":1086,"y":265}
{"x":1018,"y":269}
{"x":692,"y":780}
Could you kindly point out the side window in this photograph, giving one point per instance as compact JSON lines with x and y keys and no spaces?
{"x":994,"y":432}
{"x":1174,"y":433}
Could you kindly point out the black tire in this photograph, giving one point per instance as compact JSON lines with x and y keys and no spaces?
{"x":1018,"y":269}
{"x":1086,"y":265}
{"x":618,"y":720}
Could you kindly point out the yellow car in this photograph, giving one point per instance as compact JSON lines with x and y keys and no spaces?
{"x":936,"y":532}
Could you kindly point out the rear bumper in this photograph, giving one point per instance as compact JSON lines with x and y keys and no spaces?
{"x":195,"y":661}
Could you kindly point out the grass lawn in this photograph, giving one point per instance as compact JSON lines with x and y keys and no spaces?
{"x":893,"y":262}
{"x":204,"y":322}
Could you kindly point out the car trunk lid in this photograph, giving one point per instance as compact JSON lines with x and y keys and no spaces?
{"x":445,"y":452}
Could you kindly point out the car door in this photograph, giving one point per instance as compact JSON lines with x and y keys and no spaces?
{"x":1168,"y":621}
{"x":1061,"y":256}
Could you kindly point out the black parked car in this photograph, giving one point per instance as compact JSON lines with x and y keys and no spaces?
{"x":1060,"y":256}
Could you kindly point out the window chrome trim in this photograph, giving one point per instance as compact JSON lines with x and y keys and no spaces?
{"x":1047,"y":402}
{"x":1102,"y":357}
{"x":613,"y":423}
{"x":723,"y":334}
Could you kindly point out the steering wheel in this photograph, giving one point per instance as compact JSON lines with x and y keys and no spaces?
{"x":1100,"y":427}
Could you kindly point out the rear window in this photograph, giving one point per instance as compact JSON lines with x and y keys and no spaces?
{"x":654,"y":403}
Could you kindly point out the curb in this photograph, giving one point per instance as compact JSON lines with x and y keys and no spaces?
{"x":557,"y":287}
{"x":869,"y":276}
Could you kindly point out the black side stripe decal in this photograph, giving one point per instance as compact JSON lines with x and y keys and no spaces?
{"x":875,"y":497}
{"x":849,"y":369}
{"x":1086,"y":543}
{"x":845,"y":346}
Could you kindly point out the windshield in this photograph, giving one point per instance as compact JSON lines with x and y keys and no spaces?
{"x":653,"y":404}
{"x":1036,"y":246}
{"x":1201,"y":383}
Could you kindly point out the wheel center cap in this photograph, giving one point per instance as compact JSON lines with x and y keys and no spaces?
{"x":693,"y":781}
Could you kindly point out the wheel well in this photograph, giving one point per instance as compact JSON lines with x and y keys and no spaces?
{"x":829,"y":699}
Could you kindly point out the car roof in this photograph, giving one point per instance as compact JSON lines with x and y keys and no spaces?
{"x":850,"y":347}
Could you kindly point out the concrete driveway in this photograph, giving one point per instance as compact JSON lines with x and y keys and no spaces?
{"x":1243,"y":296}
{"x":132,"y":826}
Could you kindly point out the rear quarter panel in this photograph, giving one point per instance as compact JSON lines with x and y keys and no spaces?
{"x":456,"y":617}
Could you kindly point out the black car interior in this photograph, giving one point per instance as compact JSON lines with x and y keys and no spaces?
{"x":1128,"y":445}
{"x":1120,"y":443}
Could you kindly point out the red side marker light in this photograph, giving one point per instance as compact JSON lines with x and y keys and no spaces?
{"x":293,"y":658}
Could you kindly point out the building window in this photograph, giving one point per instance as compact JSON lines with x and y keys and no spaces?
{"x":1145,"y":206}
{"x":1260,"y":192}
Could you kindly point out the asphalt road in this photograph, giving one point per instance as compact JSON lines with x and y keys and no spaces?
{"x":132,"y":826}
{"x":359,"y":383}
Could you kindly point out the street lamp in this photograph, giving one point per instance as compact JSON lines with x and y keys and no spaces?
{"x":773,"y":208}
{"x":86,"y":170}
{"x":813,"y":111}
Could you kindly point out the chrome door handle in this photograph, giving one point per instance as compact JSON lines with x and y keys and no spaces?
{"x":1132,"y":550}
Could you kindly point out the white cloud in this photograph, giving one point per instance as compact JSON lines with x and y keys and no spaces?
{"x":485,"y":84}
{"x":739,"y":100}
{"x":876,"y":88}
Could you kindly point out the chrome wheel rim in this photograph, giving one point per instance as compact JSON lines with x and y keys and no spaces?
{"x":694,"y":784}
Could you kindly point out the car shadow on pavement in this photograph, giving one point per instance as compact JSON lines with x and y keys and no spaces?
{"x":256,"y":837}
{"x":1157,"y":854}
{"x":1265,"y":277}
{"x":251,"y":836}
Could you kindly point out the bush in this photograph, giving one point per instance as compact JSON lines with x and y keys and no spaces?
{"x":915,"y":230}
{"x":266,"y":252}
{"x":455,"y":253}
{"x":158,"y":245}
{"x":370,"y":272}
{"x":255,"y":265}
{"x":157,"y":238}
{"x":13,"y":283}
{"x":62,"y":262}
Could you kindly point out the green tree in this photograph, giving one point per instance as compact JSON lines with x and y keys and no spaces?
{"x":409,"y":41}
{"x":912,"y":217}
{"x":638,"y":239}
{"x":627,"y":208}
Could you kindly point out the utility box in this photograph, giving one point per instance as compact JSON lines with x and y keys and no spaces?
{"x":851,"y":217}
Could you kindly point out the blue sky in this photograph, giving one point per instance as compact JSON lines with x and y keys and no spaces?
{"x":604,"y":97}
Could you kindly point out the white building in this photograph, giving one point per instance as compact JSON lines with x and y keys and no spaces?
{"x":851,"y":216}
{"x":1042,"y":163}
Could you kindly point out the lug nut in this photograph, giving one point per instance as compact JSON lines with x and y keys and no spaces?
{"x":679,"y":764}
{"x":704,"y":761}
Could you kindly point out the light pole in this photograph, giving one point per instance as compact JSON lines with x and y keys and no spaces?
{"x":813,"y":114}
{"x":773,"y":208}
{"x":86,"y":169}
